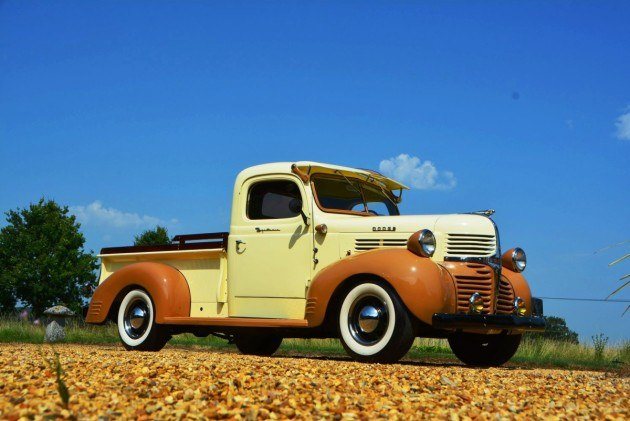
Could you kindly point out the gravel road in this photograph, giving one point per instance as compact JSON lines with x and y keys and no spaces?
{"x":110,"y":382}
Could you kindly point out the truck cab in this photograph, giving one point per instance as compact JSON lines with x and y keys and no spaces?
{"x":320,"y":250}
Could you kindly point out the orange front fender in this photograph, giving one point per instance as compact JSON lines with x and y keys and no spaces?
{"x":520,"y":286}
{"x":424,"y":286}
{"x":165,"y":284}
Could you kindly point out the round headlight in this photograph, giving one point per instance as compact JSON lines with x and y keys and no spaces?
{"x":422,"y":243}
{"x":520,"y":259}
{"x":514,"y":260}
{"x":427,"y":243}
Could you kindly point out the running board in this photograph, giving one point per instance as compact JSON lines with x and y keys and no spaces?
{"x":234,"y":322}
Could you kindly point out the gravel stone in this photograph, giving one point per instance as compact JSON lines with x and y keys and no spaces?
{"x":107,"y":382}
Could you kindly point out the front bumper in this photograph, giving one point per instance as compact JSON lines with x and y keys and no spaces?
{"x":488,"y":322}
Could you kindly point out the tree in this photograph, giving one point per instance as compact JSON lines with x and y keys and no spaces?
{"x":7,"y":289}
{"x":153,"y":237}
{"x":42,"y":259}
{"x":556,"y":330}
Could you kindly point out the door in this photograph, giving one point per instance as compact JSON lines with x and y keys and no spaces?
{"x":270,"y":250}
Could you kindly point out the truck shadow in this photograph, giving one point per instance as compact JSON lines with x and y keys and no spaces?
{"x":404,"y":362}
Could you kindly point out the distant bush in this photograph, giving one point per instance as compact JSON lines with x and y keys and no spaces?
{"x":556,"y":330}
{"x":153,"y":237}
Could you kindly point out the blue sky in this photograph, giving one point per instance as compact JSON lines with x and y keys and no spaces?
{"x":143,"y":113}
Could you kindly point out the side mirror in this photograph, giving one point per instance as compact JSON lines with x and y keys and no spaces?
{"x":295,"y":206}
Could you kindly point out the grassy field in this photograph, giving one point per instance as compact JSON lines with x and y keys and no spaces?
{"x":535,"y":353}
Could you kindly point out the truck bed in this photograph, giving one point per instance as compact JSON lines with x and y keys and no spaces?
{"x":201,"y":258}
{"x":217,"y":240}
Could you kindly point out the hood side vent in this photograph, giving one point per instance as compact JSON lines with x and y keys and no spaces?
{"x":478,"y":245}
{"x":364,"y":244}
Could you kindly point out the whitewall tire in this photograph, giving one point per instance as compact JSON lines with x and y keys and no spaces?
{"x":136,"y":323}
{"x":374,"y":325}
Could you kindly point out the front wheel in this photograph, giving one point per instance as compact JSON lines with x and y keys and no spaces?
{"x":374,"y":324}
{"x":136,"y":323}
{"x":484,"y":350}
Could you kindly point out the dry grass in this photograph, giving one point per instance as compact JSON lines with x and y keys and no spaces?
{"x":540,"y":353}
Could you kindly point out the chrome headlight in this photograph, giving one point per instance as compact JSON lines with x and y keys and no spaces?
{"x":426,"y":239}
{"x":422,"y":243}
{"x":520,"y":259}
{"x":514,"y":259}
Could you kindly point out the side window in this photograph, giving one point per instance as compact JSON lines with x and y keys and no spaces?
{"x":270,"y":199}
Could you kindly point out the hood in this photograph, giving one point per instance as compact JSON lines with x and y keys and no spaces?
{"x":452,"y":223}
{"x":457,"y":235}
{"x":464,"y":224}
{"x":400,"y":223}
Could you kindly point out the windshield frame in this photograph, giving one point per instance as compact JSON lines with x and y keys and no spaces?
{"x":361,"y":183}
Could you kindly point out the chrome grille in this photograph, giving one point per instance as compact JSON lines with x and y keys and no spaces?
{"x":505,"y":301}
{"x":471,"y":278}
{"x":364,"y":244}
{"x":478,"y":245}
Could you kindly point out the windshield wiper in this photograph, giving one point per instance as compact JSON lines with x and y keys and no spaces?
{"x":355,"y":189}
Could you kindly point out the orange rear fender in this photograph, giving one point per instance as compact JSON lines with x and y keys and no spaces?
{"x":165,"y":284}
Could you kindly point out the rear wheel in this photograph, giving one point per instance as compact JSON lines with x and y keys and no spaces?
{"x":374,"y":325}
{"x":484,"y":350}
{"x":136,"y":323}
{"x":263,"y":345}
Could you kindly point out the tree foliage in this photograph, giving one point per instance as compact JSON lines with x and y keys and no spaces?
{"x":42,"y":259}
{"x":153,"y":237}
{"x":556,"y":330}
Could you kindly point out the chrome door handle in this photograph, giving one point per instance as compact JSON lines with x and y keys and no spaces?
{"x":240,"y":243}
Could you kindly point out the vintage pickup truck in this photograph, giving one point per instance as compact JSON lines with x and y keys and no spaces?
{"x":317,"y":251}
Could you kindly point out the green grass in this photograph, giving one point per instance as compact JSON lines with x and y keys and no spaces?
{"x":532,"y":353}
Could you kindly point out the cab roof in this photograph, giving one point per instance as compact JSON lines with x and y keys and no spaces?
{"x":310,"y":168}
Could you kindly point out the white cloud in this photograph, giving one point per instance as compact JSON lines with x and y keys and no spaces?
{"x":418,"y":174}
{"x":96,"y":214}
{"x":623,"y":125}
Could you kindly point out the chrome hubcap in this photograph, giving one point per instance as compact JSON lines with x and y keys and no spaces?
{"x":136,"y":318}
{"x":368,"y":319}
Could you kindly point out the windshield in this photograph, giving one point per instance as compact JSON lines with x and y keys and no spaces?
{"x":345,"y":195}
